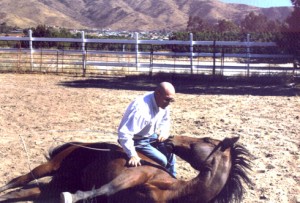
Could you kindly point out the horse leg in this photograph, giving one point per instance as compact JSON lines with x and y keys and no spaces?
{"x":127,"y":179}
{"x":20,"y":195}
{"x":40,"y":171}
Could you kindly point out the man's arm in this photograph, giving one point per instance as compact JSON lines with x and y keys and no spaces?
{"x":129,"y":126}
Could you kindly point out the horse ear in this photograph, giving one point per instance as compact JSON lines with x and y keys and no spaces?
{"x":228,"y":142}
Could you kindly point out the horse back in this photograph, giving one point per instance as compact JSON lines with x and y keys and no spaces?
{"x":98,"y":146}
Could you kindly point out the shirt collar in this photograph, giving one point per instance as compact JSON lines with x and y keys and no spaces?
{"x":154,"y":104}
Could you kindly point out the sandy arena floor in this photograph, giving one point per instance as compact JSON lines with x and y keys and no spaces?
{"x":40,"y":111}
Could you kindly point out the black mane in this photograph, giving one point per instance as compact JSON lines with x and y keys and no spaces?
{"x":234,"y":190}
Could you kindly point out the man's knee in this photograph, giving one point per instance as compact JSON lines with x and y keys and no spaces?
{"x":161,"y":160}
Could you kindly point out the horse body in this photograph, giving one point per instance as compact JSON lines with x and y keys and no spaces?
{"x":105,"y":176}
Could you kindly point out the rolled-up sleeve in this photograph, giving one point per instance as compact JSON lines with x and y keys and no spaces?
{"x":132,"y":123}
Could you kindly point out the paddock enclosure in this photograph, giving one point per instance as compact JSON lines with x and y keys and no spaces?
{"x":39,"y":111}
{"x":86,"y":56}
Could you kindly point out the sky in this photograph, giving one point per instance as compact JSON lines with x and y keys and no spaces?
{"x":261,"y":3}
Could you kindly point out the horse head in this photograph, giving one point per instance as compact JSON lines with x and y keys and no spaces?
{"x":221,"y":165}
{"x":197,"y":150}
{"x":207,"y":153}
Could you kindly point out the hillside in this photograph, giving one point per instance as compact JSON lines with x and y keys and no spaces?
{"x":133,"y":15}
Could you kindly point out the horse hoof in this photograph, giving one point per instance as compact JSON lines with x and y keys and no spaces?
{"x":66,"y":197}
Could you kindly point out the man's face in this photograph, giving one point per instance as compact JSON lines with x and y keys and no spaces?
{"x":165,"y":98}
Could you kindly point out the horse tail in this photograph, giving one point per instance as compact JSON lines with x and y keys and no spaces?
{"x":53,"y":151}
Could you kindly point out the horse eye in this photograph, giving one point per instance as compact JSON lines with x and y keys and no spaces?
{"x":207,"y":140}
{"x":206,"y":171}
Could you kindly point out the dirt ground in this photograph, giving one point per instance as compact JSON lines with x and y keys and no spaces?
{"x":40,"y":111}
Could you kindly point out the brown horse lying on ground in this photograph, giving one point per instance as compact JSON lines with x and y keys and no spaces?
{"x":222,"y":167}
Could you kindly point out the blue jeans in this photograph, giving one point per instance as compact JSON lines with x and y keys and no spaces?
{"x":157,"y":152}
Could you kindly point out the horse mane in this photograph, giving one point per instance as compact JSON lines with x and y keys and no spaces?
{"x":234,"y":190}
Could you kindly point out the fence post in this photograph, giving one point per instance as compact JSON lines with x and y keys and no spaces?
{"x":137,"y":50}
{"x":248,"y":55}
{"x":214,"y":58}
{"x":123,"y":50}
{"x":83,"y":54}
{"x":31,"y":49}
{"x":151,"y":60}
{"x":191,"y":53}
{"x":222,"y":61}
{"x":57,"y":55}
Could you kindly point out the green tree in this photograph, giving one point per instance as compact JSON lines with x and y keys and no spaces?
{"x":226,"y":26}
{"x":296,"y":3}
{"x":4,"y":28}
{"x":293,"y":20}
{"x":179,"y":36}
{"x":41,"y":31}
{"x":50,"y":32}
{"x":290,"y":40}
{"x":254,"y":23}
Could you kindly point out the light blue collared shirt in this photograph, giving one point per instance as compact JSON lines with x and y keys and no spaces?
{"x":142,"y":118}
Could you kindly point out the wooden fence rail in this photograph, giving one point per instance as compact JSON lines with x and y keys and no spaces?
{"x":85,"y":61}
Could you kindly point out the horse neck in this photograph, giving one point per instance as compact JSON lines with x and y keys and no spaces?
{"x":194,"y":190}
{"x":201,"y":188}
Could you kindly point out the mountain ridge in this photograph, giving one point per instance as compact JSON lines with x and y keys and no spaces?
{"x":131,"y":15}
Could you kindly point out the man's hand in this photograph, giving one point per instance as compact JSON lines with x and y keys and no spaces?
{"x":134,"y":161}
{"x":162,"y":138}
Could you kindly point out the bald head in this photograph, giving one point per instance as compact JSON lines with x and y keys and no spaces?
{"x":164,"y":94}
{"x":166,"y":87}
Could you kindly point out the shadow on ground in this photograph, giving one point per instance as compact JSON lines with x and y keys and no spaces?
{"x":206,"y":85}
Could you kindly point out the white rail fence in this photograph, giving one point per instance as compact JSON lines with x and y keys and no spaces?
{"x":85,"y":61}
